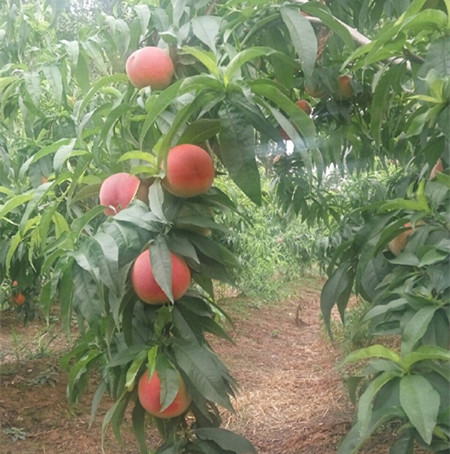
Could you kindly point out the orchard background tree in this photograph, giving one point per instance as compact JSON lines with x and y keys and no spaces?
{"x":377,"y":79}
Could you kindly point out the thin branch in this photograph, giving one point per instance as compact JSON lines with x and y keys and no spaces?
{"x":362,"y":40}
{"x":211,"y":8}
{"x":358,"y":37}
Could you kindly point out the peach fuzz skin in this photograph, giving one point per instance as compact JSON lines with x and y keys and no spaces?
{"x":398,"y":243}
{"x":150,"y":67}
{"x":189,"y":171}
{"x":117,"y":191}
{"x":149,"y":394}
{"x":145,"y":285}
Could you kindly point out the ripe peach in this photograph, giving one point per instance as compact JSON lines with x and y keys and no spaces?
{"x":150,"y":67}
{"x":145,"y":285}
{"x":438,"y":167}
{"x":18,"y":299}
{"x":345,"y":88}
{"x":305,"y":106}
{"x":189,"y":171}
{"x":149,"y":394}
{"x":119,"y":190}
{"x":397,"y":244}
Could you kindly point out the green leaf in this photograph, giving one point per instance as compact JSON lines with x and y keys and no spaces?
{"x":416,"y":327}
{"x":33,"y":86}
{"x":377,"y":351}
{"x":200,"y":130}
{"x":62,"y":154}
{"x":425,"y":353}
{"x":353,"y":441}
{"x":103,"y":82}
{"x":14,"y":202}
{"x":85,"y":297}
{"x":382,"y":98}
{"x":134,"y":369}
{"x":208,"y":59}
{"x":6,"y":81}
{"x":138,"y":419}
{"x":206,"y":29}
{"x":162,"y":265}
{"x":112,"y":118}
{"x":302,"y":36}
{"x":421,"y":404}
{"x":202,"y":322}
{"x":109,"y":261}
{"x":79,"y":224}
{"x":444,"y":122}
{"x":318,"y":10}
{"x":270,"y":90}
{"x":81,"y":72}
{"x":382,"y":309}
{"x":114,"y":417}
{"x":143,"y":13}
{"x":243,"y":57}
{"x":404,"y":445}
{"x":78,"y":371}
{"x":366,"y":400}
{"x":152,"y":355}
{"x":403,"y":204}
{"x":156,"y":200}
{"x":201,"y":82}
{"x":237,"y":151}
{"x":44,"y":151}
{"x":170,"y":382}
{"x":65,"y":298}
{"x":95,"y":52}
{"x":182,"y":246}
{"x":98,"y":395}
{"x":225,"y":439}
{"x":212,"y":249}
{"x":438,"y":58}
{"x":141,"y":155}
{"x":73,"y":50}
{"x":53,"y":75}
{"x":199,"y":364}
{"x":335,"y":288}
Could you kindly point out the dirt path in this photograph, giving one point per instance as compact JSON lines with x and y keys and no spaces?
{"x":292,"y":398}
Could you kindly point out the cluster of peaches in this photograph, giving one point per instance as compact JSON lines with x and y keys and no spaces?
{"x":188,"y":171}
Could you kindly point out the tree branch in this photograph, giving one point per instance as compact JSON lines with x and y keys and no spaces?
{"x":362,"y":40}
{"x":211,"y":8}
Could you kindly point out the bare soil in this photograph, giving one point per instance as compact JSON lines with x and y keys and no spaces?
{"x":292,"y":398}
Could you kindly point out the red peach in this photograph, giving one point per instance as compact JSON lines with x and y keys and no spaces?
{"x":149,"y":394}
{"x":145,"y":285}
{"x":150,"y":67}
{"x":189,"y":171}
{"x":117,"y":192}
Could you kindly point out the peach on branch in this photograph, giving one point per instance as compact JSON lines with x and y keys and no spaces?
{"x":119,"y":190}
{"x":145,"y":285}
{"x":18,"y":299}
{"x":149,"y":394}
{"x":189,"y":171}
{"x":345,"y":89}
{"x":306,"y":107}
{"x":398,"y":243}
{"x":150,"y":67}
{"x":438,"y":167}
